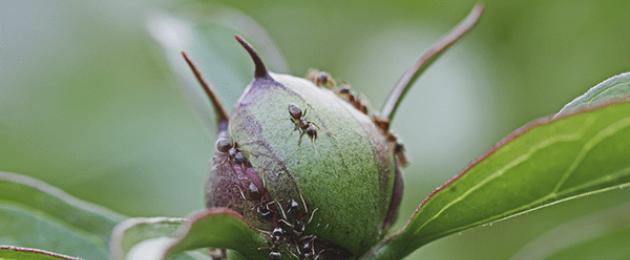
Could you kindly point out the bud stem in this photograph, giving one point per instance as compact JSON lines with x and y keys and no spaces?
{"x":411,"y":75}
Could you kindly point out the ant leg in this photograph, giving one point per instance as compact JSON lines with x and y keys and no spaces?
{"x":303,"y":201}
{"x":295,"y":126}
{"x":319,"y":254}
{"x":251,"y":143}
{"x":311,"y":217}
{"x":300,"y":139}
{"x":315,"y":147}
{"x":287,"y":223}
{"x":294,"y":255}
{"x":241,"y":192}
{"x":297,"y":248}
{"x":264,"y":232}
{"x":284,"y":215}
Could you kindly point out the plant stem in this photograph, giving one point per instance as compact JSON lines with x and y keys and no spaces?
{"x":411,"y":75}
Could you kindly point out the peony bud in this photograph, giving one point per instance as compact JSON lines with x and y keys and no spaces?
{"x":305,"y":164}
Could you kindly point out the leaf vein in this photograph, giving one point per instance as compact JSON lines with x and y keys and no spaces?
{"x":503,"y":170}
{"x":588,"y":146}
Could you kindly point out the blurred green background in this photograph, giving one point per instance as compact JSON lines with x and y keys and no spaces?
{"x":89,"y":103}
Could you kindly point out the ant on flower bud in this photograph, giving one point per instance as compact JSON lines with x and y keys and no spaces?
{"x":354,"y":99}
{"x":305,"y":127}
{"x":321,"y":78}
{"x":235,"y":155}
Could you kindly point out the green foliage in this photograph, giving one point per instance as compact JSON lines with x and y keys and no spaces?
{"x":206,"y":34}
{"x":616,"y":87}
{"x":144,"y":238}
{"x":612,"y":246}
{"x":599,"y":235}
{"x":133,"y":231}
{"x":549,"y":161}
{"x":543,"y":163}
{"x":12,"y":252}
{"x":218,"y":228}
{"x":36,"y":215}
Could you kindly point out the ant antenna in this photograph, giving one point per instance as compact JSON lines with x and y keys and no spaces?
{"x":429,"y":56}
{"x":260,"y":71}
{"x":219,"y":109}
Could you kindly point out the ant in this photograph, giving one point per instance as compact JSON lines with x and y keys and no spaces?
{"x":399,"y":150}
{"x":265,"y":210}
{"x":263,"y":207}
{"x":321,"y":78}
{"x":274,"y":250}
{"x":234,"y":153}
{"x":289,"y":229}
{"x":308,"y":246}
{"x":298,"y":227}
{"x":398,"y":147}
{"x":357,"y":102}
{"x":308,"y":250}
{"x":277,"y":236}
{"x":301,"y":124}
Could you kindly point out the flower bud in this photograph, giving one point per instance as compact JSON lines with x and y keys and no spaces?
{"x":305,"y":166}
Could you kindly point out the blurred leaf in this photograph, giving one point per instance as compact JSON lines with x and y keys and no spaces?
{"x":34,"y":214}
{"x":219,"y":228}
{"x":132,"y":231}
{"x":613,"y":88}
{"x":546,"y":162}
{"x":213,"y":228}
{"x":207,"y":35}
{"x":599,"y":235}
{"x":12,"y":252}
{"x":609,"y":246}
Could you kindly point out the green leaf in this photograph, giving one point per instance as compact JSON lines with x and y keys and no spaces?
{"x":33,"y":214}
{"x":610,"y":246}
{"x":219,"y":228}
{"x":154,"y":238}
{"x":600,"y":235}
{"x":131,"y":232}
{"x":546,"y":162}
{"x":13,"y":252}
{"x":206,"y":34}
{"x":613,"y":88}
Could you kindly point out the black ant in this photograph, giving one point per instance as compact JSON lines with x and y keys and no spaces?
{"x":307,"y":246}
{"x":301,"y":124}
{"x":275,"y":254}
{"x":277,"y":236}
{"x":298,"y":226}
{"x":274,"y":251}
{"x":265,"y":209}
{"x":289,"y":229}
{"x":232,"y":150}
{"x":321,"y":78}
